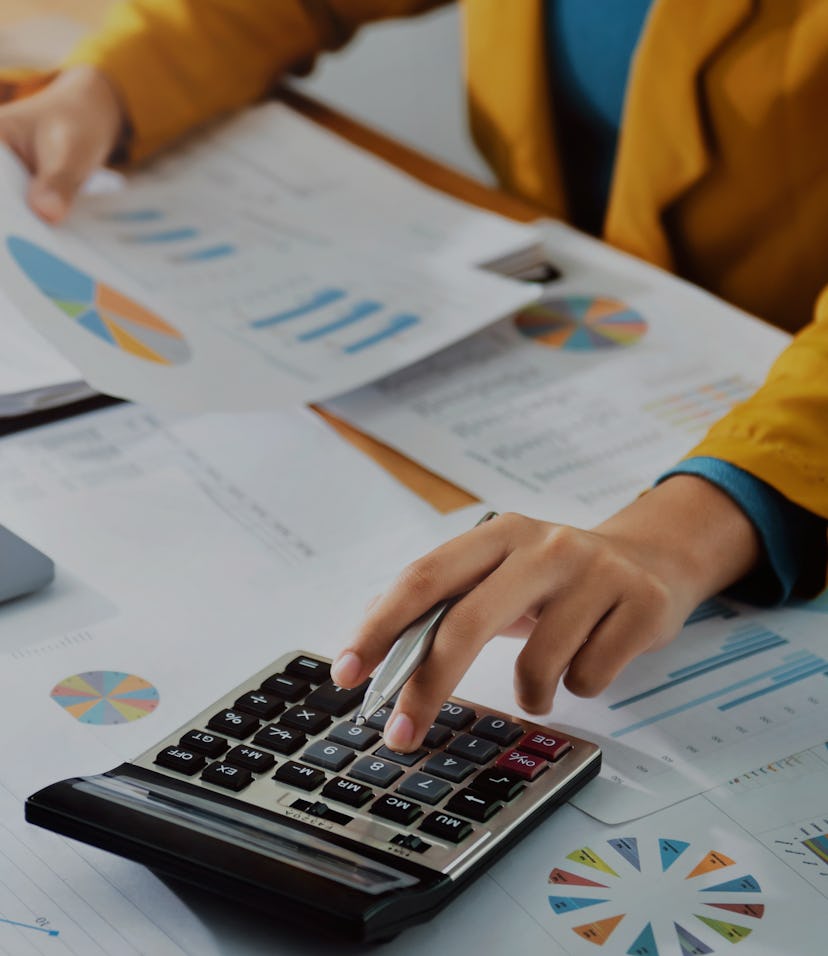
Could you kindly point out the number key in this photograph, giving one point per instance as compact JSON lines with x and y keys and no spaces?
{"x":360,"y":738}
{"x":328,"y":755}
{"x":455,"y":716}
{"x":498,"y":729}
{"x":473,"y":748}
{"x":380,"y":773}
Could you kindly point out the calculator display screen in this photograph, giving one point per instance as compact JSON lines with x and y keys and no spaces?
{"x":239,"y":828}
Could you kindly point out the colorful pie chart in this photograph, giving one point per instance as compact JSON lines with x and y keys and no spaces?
{"x":98,"y":308}
{"x":581,"y":323}
{"x":106,"y":697}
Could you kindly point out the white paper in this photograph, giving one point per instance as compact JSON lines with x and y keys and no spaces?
{"x":573,"y":433}
{"x":256,"y":276}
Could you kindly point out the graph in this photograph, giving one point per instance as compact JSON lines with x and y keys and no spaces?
{"x":98,"y":308}
{"x":746,"y":642}
{"x":581,"y":323}
{"x":32,"y":926}
{"x":710,"y":899}
{"x":696,"y":408}
{"x":349,"y":312}
{"x":106,"y":697}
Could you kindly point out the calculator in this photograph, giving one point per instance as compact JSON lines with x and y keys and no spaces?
{"x":274,"y":797}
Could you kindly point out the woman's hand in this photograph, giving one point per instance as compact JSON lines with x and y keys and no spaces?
{"x":62,"y":134}
{"x":590,"y":601}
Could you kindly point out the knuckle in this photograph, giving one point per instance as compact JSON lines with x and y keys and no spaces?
{"x":562,"y":541}
{"x":583,"y":683}
{"x":420,"y":577}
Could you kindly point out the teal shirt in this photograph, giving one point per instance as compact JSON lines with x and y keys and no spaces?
{"x":590,"y":44}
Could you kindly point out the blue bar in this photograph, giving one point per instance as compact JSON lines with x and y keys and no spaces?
{"x":708,"y":609}
{"x":748,"y":644}
{"x":738,"y":639}
{"x":211,"y":252}
{"x":398,"y":324}
{"x":318,"y":301}
{"x":360,"y":311}
{"x":731,"y":658}
{"x":816,"y":669}
{"x":170,"y":235}
{"x":694,"y":703}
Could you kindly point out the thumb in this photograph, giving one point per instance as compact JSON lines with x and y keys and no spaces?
{"x":61,"y":166}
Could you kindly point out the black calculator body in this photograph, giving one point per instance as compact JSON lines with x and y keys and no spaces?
{"x":274,"y":798}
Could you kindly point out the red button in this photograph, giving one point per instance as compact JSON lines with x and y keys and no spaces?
{"x":527,"y":766}
{"x":545,"y":745}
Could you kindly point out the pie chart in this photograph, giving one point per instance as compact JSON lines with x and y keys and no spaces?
{"x":581,"y":323}
{"x":98,"y":308}
{"x":106,"y":697}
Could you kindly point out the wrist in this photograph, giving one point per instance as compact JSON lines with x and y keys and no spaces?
{"x":691,"y":534}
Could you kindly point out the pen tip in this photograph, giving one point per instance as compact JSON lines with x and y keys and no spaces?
{"x":359,"y":720}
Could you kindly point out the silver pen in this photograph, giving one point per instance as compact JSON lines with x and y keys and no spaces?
{"x":409,"y":651}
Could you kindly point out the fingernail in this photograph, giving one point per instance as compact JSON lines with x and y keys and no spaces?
{"x":399,"y":733}
{"x":49,"y":204}
{"x":346,"y":669}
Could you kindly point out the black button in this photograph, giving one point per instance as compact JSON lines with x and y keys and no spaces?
{"x":286,"y":687}
{"x":498,"y":729}
{"x":227,"y":776}
{"x":305,"y":718}
{"x":448,"y":767}
{"x":380,"y":773}
{"x":298,"y":775}
{"x":234,"y":724}
{"x":317,"y":672}
{"x":437,"y":735}
{"x":283,"y":740}
{"x":334,"y":699}
{"x":472,"y":748}
{"x":455,"y":716}
{"x":411,"y":842}
{"x":360,"y":738}
{"x":260,"y":704}
{"x":476,"y":806}
{"x":329,"y":755}
{"x":256,"y":760}
{"x":407,"y":760}
{"x":398,"y":809}
{"x":347,"y":791}
{"x":446,"y":827}
{"x":204,"y":743}
{"x":498,"y":784}
{"x":321,"y":810}
{"x":181,"y":759}
{"x":423,"y":787}
{"x":379,"y":719}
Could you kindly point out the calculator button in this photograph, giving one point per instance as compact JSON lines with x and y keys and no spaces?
{"x":446,"y":827}
{"x":204,"y":743}
{"x":455,"y":716}
{"x":425,"y":788}
{"x":527,"y":766}
{"x":475,"y":806}
{"x":498,"y":784}
{"x":305,"y":718}
{"x":300,"y":776}
{"x":411,"y":842}
{"x":234,"y":724}
{"x":334,"y":699}
{"x":437,"y":735}
{"x":330,"y":756}
{"x":251,"y":759}
{"x":286,"y":687}
{"x":407,"y":760}
{"x":227,"y":776}
{"x":550,"y":746}
{"x":396,"y":808}
{"x":360,"y":738}
{"x":472,"y":748}
{"x":317,"y":672}
{"x":181,"y":759}
{"x":322,"y":810}
{"x":347,"y":791}
{"x":260,"y":704}
{"x":450,"y":768}
{"x":378,"y":720}
{"x":498,"y":729}
{"x":283,"y":740}
{"x":381,"y":773}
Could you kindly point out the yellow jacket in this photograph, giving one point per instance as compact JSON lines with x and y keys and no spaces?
{"x":721,"y":174}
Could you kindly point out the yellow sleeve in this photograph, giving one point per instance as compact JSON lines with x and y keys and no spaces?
{"x":781,"y":433}
{"x":178,"y":63}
